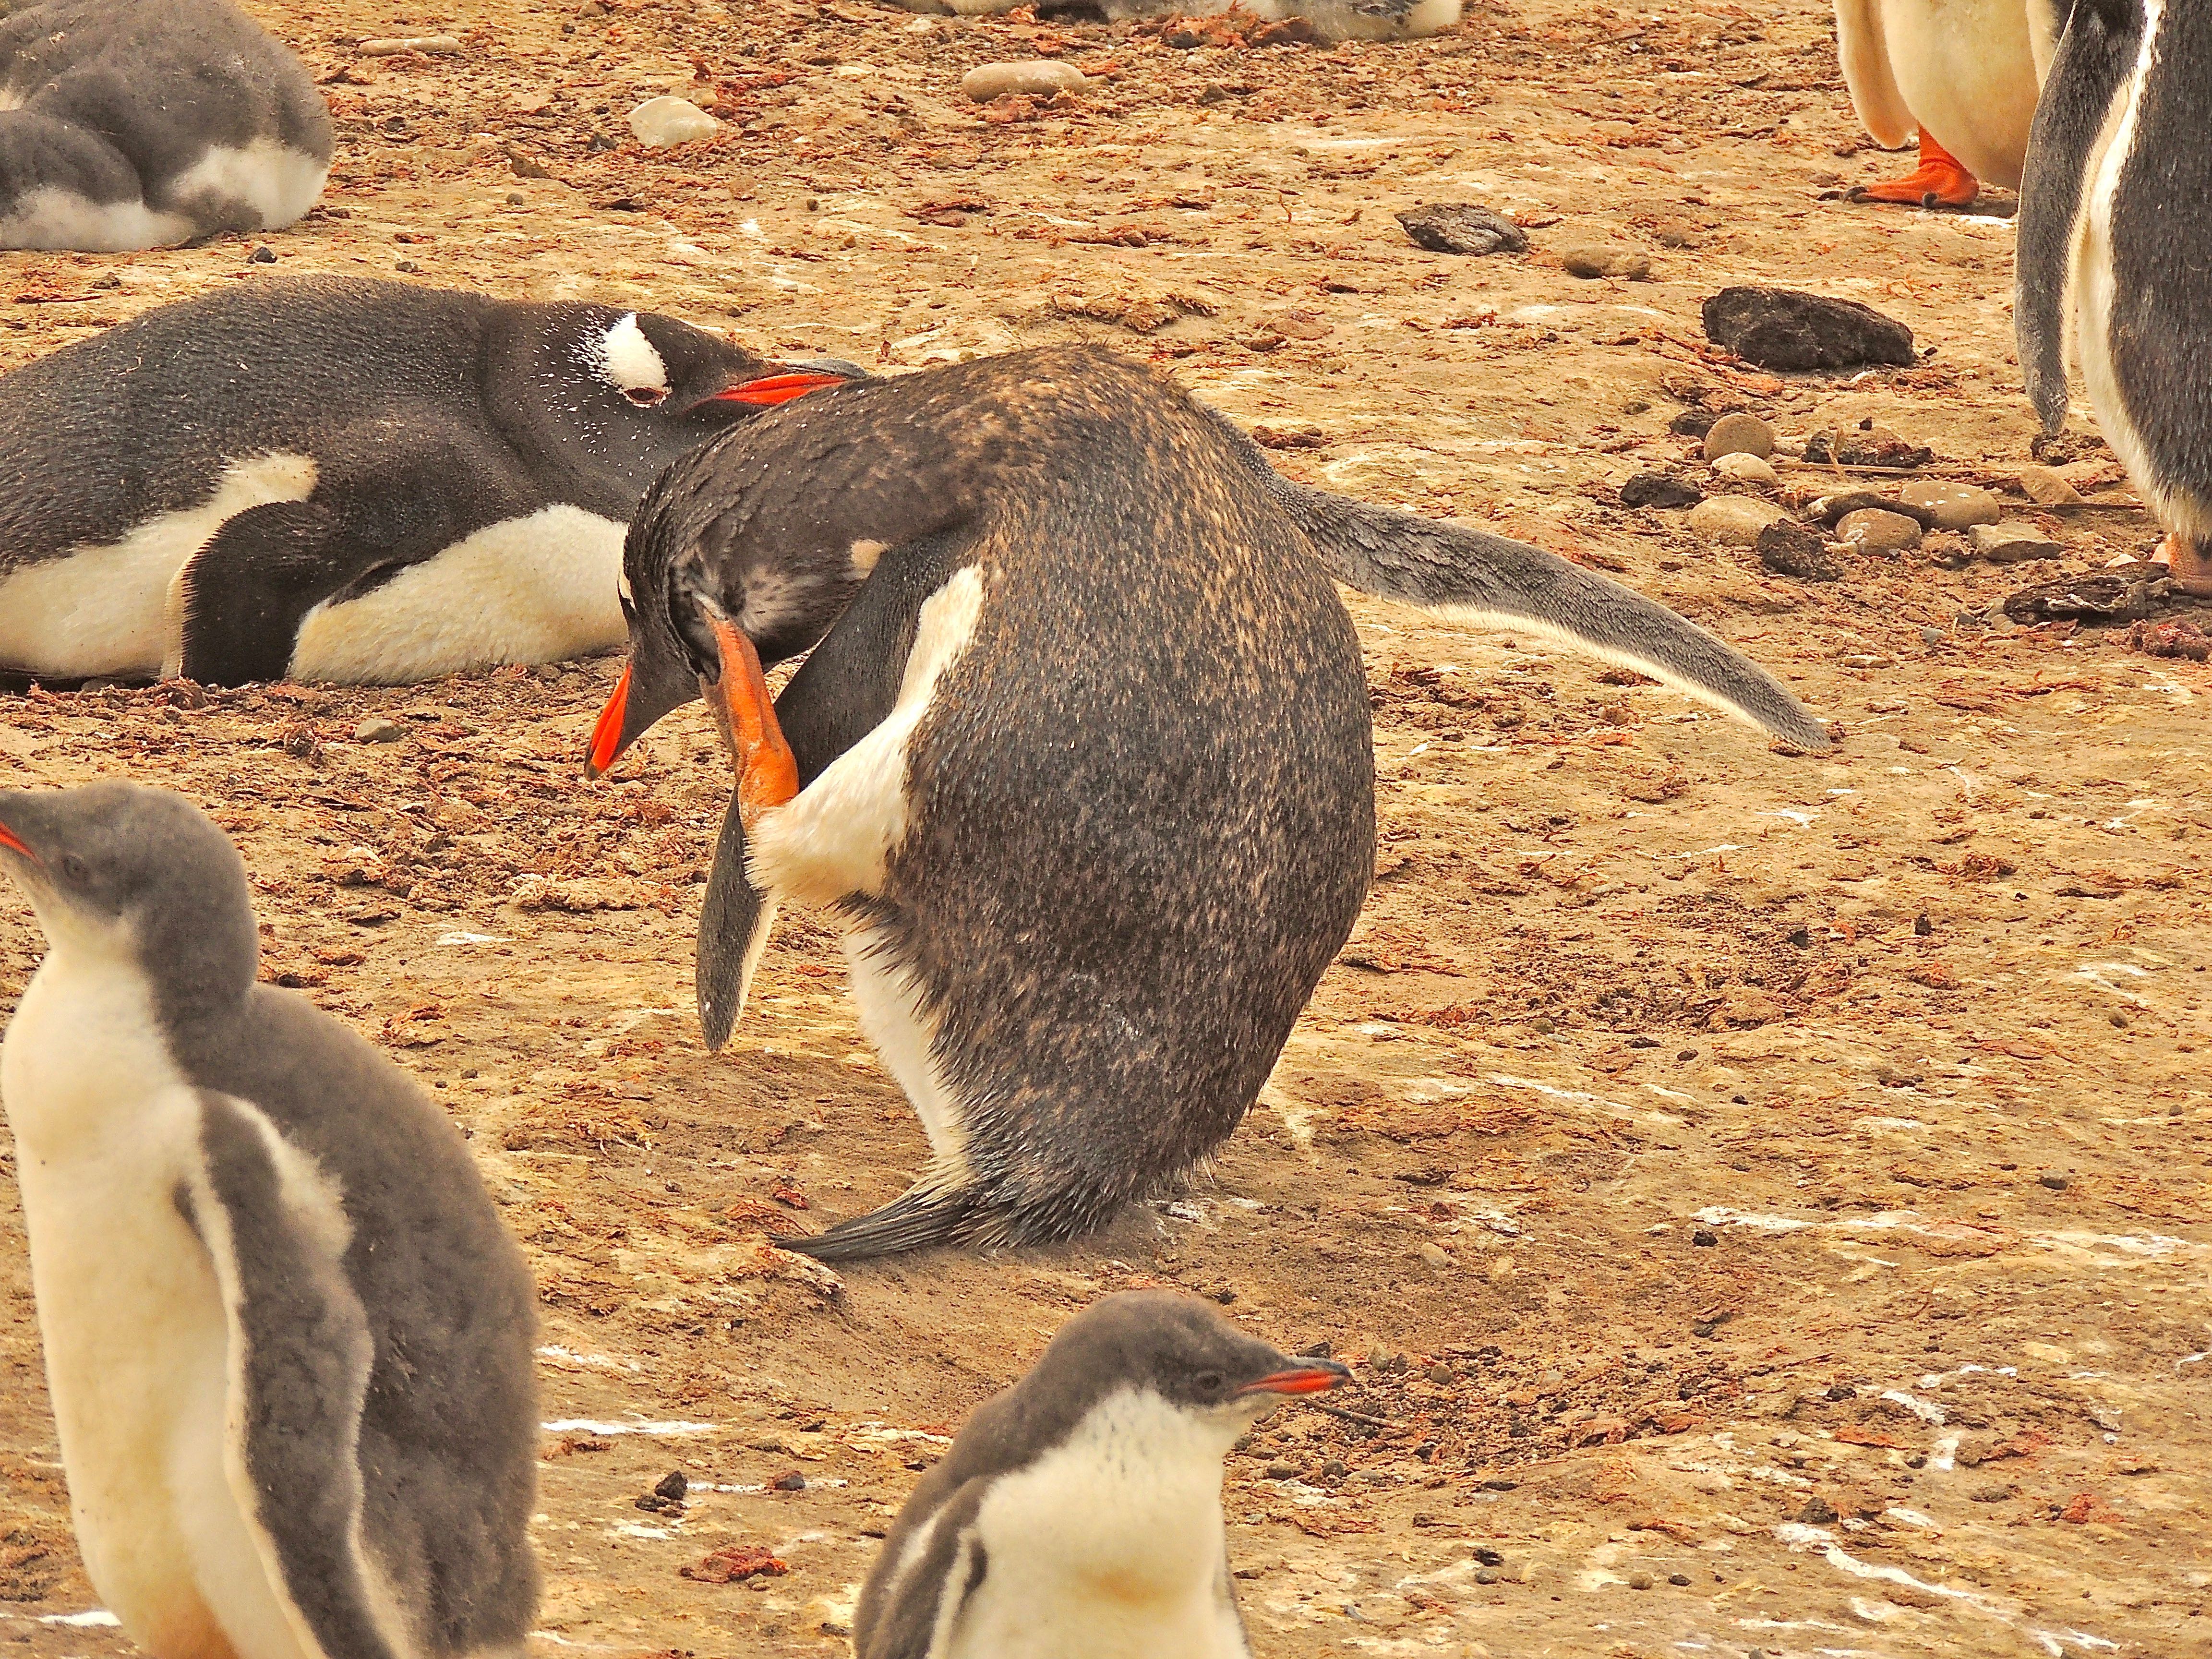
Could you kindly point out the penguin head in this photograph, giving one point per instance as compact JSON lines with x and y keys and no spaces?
{"x":121,"y":871}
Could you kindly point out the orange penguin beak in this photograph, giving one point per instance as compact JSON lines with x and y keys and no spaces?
{"x":777,"y":388}
{"x":607,"y":736}
{"x":767,"y":772}
{"x":1316,"y":1378}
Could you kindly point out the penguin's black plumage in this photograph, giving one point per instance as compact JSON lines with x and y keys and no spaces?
{"x":342,"y":479}
{"x":288,"y":1340}
{"x":1078,"y":1513}
{"x":2112,"y":255}
{"x":131,"y":123}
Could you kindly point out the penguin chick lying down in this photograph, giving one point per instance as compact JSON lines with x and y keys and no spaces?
{"x":1079,"y":1514}
{"x":1084,"y":764}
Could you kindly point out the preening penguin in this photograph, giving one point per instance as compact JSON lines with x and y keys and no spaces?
{"x":129,"y":124}
{"x":1079,"y":1514}
{"x":288,"y":1340}
{"x":1085,"y":768}
{"x":2112,"y":253}
{"x":377,"y":483}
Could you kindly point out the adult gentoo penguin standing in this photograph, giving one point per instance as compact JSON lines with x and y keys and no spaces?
{"x":343,"y":479}
{"x":128,"y":123}
{"x":1079,"y":1514}
{"x":1963,"y":74}
{"x":1086,"y":766}
{"x":288,"y":1340}
{"x":2112,"y":254}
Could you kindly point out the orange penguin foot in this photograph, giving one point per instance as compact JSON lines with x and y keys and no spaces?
{"x":1938,"y":181}
{"x":2191,"y":566}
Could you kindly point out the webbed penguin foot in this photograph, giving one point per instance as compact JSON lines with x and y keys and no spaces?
{"x":1940,"y":180}
{"x":2190,"y":566}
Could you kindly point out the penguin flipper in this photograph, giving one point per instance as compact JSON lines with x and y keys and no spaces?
{"x":301,"y":1353}
{"x":1862,"y":49}
{"x":237,"y":605}
{"x":734,"y":923}
{"x":1481,"y":580}
{"x":898,"y":1618}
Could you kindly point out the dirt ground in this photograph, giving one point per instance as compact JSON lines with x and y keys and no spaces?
{"x":1764,"y":1197}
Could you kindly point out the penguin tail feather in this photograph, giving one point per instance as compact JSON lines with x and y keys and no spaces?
{"x":920,"y":1216}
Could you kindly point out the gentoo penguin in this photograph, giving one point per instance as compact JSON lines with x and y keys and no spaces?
{"x":342,"y":479}
{"x":1079,"y":1514}
{"x":128,"y":123}
{"x":288,"y":1340}
{"x":2112,"y":253}
{"x":1084,"y":762}
{"x":1331,"y":19}
{"x":1964,"y":74}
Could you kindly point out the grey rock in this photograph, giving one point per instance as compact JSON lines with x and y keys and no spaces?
{"x":1734,"y":520}
{"x":1659,"y":490}
{"x":1788,"y":549}
{"x":1780,"y":328}
{"x":1033,"y":77}
{"x":660,"y":122}
{"x":377,"y":729}
{"x":2011,"y":543}
{"x":1739,"y":434}
{"x":1462,"y":227}
{"x":1598,"y":260}
{"x":1873,"y":529}
{"x":1950,"y":505}
{"x":2046,"y":486}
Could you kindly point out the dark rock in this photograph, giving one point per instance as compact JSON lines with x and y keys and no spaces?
{"x":1779,"y":328}
{"x":792,"y":1481}
{"x":1791,"y":550}
{"x":1817,"y":1512}
{"x":1704,"y":1237}
{"x":1692,"y":423}
{"x":2112,"y":596}
{"x":1462,"y":227}
{"x":673,"y":1485}
{"x":1489,"y":1557}
{"x":1659,"y":490}
{"x":1865,"y":446}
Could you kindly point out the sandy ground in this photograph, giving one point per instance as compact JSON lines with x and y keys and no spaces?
{"x":1764,"y":1197}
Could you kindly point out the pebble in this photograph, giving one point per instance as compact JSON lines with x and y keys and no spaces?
{"x":2046,"y":486}
{"x":1678,"y":1579}
{"x":661,"y":122}
{"x":377,"y":729}
{"x":793,"y":1481}
{"x":1659,"y":490}
{"x":1486,"y":1575}
{"x":1950,"y":505}
{"x":1281,"y":1472}
{"x":1873,"y":529}
{"x":1601,"y":260}
{"x":1436,"y":1257}
{"x":1334,"y":1469}
{"x":262,"y":256}
{"x":1779,"y":328}
{"x":1739,"y":434}
{"x":392,"y":46}
{"x":1747,"y":469}
{"x":1462,"y":227}
{"x":1640,"y":1581}
{"x":1031,"y":77}
{"x":2057,"y":1184}
{"x":1788,"y":549}
{"x":1734,"y":520}
{"x":1441,"y":1373}
{"x":1676,"y":233}
{"x":2011,"y":543}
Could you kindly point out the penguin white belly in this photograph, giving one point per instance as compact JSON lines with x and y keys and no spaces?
{"x":539,"y":588}
{"x":108,"y":609}
{"x":1110,"y":1546}
{"x":52,"y":218}
{"x":1967,"y":71}
{"x":132,"y":1316}
{"x":270,"y":180}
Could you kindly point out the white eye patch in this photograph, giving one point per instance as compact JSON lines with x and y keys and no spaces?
{"x":631,"y":365}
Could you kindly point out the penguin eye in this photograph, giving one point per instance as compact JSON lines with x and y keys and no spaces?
{"x":75,"y":869}
{"x":1210,"y":1383}
{"x":645,"y":397}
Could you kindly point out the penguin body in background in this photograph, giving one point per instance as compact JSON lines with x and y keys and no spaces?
{"x":131,"y":123}
{"x":2112,"y":253}
{"x":340,"y":479}
{"x":289,"y":1341}
{"x":1330,"y":20}
{"x":1078,"y":1516}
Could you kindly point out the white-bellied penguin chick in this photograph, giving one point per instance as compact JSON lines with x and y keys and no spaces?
{"x":1079,"y":1514}
{"x":288,"y":1340}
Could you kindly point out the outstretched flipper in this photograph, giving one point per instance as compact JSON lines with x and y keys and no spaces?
{"x":1487,"y":582}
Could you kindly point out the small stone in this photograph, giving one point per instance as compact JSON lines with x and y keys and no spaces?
{"x":423,"y":43}
{"x":1599,"y":260}
{"x":407,"y":266}
{"x":1436,"y":1257}
{"x":661,"y":122}
{"x":2057,"y":1184}
{"x":673,"y":1485}
{"x":1441,"y":1373}
{"x":1866,"y":444}
{"x":1640,"y":1581}
{"x":377,"y":729}
{"x":1873,"y":529}
{"x":1992,"y":1495}
{"x":1692,"y":423}
{"x":1747,"y":470}
{"x":1789,"y":548}
{"x":1659,"y":490}
{"x":262,"y":256}
{"x":1734,"y":520}
{"x":1818,"y":1512}
{"x":1779,"y":328}
{"x":516,"y":198}
{"x":1462,"y":227}
{"x":1676,"y":233}
{"x":1678,"y":1579}
{"x":2011,"y":543}
{"x":1032,"y":77}
{"x":792,"y":1481}
{"x":1333,"y":1469}
{"x":1281,"y":1472}
{"x":1704,"y":1237}
{"x":1486,"y":1575}
{"x":1739,"y":434}
{"x":1950,"y":505}
{"x":2046,"y":486}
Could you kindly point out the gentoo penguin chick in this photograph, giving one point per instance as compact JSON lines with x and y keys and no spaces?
{"x":1085,"y":768}
{"x":2111,"y":253}
{"x":288,"y":1340}
{"x":1963,"y":74}
{"x":379,"y":483}
{"x":1332,"y":20}
{"x":129,"y":124}
{"x":1079,"y":1514}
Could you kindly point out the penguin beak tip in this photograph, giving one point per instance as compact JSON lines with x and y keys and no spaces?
{"x":607,"y":743}
{"x":772,"y":389}
{"x":1317,"y":1377}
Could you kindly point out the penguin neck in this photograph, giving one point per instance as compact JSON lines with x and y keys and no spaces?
{"x":520,"y":373}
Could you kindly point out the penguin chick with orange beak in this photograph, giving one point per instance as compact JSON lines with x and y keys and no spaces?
{"x":1084,"y":766}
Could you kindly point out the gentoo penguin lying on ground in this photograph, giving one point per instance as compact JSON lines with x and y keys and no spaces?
{"x":1085,"y":765}
{"x":129,"y":124}
{"x":1332,"y":20}
{"x":289,"y":1341}
{"x":1079,"y":1514}
{"x":340,"y":479}
{"x":1962,"y":73}
{"x":2113,"y":249}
